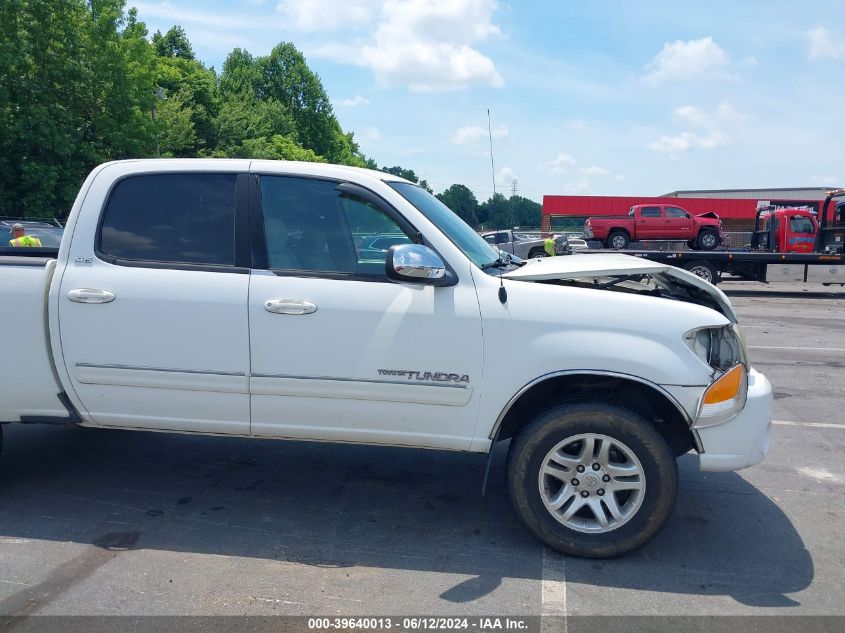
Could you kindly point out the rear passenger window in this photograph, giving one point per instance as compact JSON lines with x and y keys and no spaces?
{"x":179,"y":218}
{"x":650,"y":212}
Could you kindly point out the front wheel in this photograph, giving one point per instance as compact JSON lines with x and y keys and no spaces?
{"x":537,"y":252}
{"x":592,"y":480}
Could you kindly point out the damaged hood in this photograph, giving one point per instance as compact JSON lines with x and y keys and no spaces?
{"x":677,"y":282}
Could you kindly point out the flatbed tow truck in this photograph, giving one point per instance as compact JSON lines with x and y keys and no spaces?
{"x":787,"y":244}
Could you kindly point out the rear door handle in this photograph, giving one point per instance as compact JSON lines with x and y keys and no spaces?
{"x":90,"y":295}
{"x":290,"y":306}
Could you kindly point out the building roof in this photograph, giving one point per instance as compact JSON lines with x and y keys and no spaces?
{"x":812,"y":193}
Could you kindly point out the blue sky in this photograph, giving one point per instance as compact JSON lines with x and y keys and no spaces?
{"x":587,"y":97}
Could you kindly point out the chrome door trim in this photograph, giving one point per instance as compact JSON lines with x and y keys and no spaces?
{"x":359,"y":389}
{"x":164,"y":369}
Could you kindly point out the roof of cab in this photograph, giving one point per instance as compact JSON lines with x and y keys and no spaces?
{"x":258,"y":165}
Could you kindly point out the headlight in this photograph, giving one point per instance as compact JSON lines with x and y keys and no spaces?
{"x":718,"y":347}
{"x":724,"y":398}
{"x":723,"y":349}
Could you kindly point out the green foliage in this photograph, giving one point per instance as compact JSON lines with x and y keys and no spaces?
{"x":500,"y":212}
{"x":407,"y":174}
{"x":174,"y":43}
{"x":279,"y":148}
{"x":82,"y":84}
{"x":462,"y":201}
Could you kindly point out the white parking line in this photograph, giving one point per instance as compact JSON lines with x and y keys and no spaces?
{"x":809,"y":349}
{"x":553,"y":587}
{"x":820,"y":425}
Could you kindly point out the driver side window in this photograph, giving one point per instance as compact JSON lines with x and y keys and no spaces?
{"x":312,"y":227}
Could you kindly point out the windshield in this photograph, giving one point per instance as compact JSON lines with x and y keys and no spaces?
{"x":459,"y":232}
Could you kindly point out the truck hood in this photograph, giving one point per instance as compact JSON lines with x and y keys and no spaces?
{"x":671,"y":282}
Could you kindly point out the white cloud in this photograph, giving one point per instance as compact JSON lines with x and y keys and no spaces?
{"x":558,"y":165}
{"x":707,"y":129}
{"x":822,"y":46}
{"x":353,"y":101}
{"x":426,"y":45}
{"x":684,"y":60}
{"x":595,"y":170}
{"x":371,"y":133}
{"x":688,"y":140}
{"x":327,"y":15}
{"x":472,"y":134}
{"x":506,"y":174}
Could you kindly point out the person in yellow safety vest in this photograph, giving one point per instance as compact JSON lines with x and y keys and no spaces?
{"x":20,"y":238}
{"x":549,"y":245}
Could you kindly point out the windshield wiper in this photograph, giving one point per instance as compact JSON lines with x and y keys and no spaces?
{"x":498,"y":263}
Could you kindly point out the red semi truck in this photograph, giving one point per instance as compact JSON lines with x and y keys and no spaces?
{"x":656,"y":222}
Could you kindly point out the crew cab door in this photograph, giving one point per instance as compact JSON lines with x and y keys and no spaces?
{"x":649,"y":223}
{"x":152,"y":305}
{"x":679,"y":223}
{"x":339,"y":352}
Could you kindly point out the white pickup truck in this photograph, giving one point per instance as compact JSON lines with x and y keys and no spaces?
{"x":228,"y":297}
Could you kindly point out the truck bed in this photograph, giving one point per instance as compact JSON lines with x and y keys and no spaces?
{"x":28,"y":381}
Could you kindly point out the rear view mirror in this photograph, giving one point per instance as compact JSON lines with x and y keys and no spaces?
{"x":416,"y":263}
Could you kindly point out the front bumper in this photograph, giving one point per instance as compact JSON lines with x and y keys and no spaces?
{"x":744,"y":440}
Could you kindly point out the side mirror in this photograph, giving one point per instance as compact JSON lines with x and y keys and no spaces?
{"x":416,"y":263}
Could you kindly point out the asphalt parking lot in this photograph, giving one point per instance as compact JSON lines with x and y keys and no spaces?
{"x":96,"y":522}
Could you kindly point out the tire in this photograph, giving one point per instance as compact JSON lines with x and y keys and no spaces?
{"x":703,"y":269}
{"x":617,"y":240}
{"x":537,"y":252}
{"x":642,"y":513}
{"x":692,"y":245}
{"x":708,"y":239}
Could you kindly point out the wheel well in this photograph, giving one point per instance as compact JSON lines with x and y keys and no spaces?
{"x":648,"y":401}
{"x":618,"y":229}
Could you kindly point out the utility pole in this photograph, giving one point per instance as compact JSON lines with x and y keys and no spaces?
{"x":514,"y":187}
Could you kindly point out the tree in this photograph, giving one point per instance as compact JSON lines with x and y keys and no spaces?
{"x":407,"y":174}
{"x":177,"y":135}
{"x":278,"y":148}
{"x":496,"y":212}
{"x":174,"y":43}
{"x":525,"y":211}
{"x":462,"y":201}
{"x":242,"y":118}
{"x":181,"y":76}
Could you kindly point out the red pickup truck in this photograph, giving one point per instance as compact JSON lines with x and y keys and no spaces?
{"x":656,"y":222}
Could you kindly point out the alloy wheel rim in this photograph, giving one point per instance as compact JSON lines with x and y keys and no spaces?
{"x":592,"y":483}
{"x":618,"y":241}
{"x":708,"y":240}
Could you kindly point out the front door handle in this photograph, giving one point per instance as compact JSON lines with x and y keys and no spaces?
{"x":90,"y":295}
{"x":290,"y":306}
